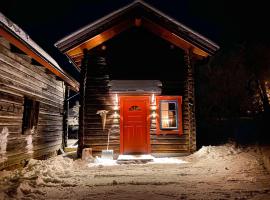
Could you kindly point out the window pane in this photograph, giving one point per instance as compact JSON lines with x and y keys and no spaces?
{"x":164,"y":106}
{"x":172,"y":106}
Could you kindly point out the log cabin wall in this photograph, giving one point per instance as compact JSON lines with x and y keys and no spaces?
{"x":189,"y":120}
{"x":96,"y":96}
{"x":20,"y":80}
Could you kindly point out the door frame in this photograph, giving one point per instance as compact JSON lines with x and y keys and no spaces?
{"x":122,"y":99}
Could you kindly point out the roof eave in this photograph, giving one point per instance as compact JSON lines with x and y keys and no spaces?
{"x":33,"y":52}
{"x":74,"y":38}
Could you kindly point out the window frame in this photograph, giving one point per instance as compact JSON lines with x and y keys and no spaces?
{"x":160,"y":114}
{"x":178,"y":101}
{"x":30,"y":115}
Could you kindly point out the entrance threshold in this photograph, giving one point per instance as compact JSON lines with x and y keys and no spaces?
{"x":139,"y":158}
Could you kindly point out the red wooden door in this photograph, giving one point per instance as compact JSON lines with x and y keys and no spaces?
{"x":135,"y":132}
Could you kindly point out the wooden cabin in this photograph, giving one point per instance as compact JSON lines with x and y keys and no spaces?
{"x":137,"y":81}
{"x":32,"y":92}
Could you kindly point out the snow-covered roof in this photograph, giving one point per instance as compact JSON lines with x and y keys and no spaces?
{"x":21,"y":36}
{"x":25,"y":37}
{"x":85,"y":32}
{"x":135,"y":86}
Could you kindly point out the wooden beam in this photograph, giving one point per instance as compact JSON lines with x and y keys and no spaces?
{"x":76,"y":53}
{"x":172,"y":38}
{"x":100,"y":38}
{"x":19,"y":44}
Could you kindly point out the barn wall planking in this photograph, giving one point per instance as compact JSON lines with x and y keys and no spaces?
{"x":19,"y":79}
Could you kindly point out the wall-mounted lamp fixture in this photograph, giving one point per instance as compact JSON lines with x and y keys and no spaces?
{"x":153,"y":107}
{"x":154,"y":114}
{"x":153,"y":99}
{"x":116,"y":99}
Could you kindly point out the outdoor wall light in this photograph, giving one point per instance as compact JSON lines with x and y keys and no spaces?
{"x":153,"y":107}
{"x":115,"y":115}
{"x":116,"y":99}
{"x":154,"y":114}
{"x":116,"y":108}
{"x":153,"y":99}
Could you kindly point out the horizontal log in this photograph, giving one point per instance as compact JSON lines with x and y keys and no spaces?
{"x":18,"y":159}
{"x":50,"y":117}
{"x":51,"y":109}
{"x":12,"y":98}
{"x":104,"y":147}
{"x":20,"y":63}
{"x":10,"y":80}
{"x":10,"y":122}
{"x":169,"y":147}
{"x":49,"y":127}
{"x":170,"y":151}
{"x":12,"y":129}
{"x":49,"y":122}
{"x":168,"y":142}
{"x":102,"y":143}
{"x":30,"y":78}
{"x":8,"y":85}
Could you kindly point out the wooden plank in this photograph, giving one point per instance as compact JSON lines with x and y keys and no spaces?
{"x":13,"y":80}
{"x":100,"y":38}
{"x":12,"y":98}
{"x":11,"y":110}
{"x":10,"y":122}
{"x":169,"y":147}
{"x":9,"y":85}
{"x":50,"y":117}
{"x":12,"y":129}
{"x":46,"y":122}
{"x":30,"y":79}
{"x":39,"y":59}
{"x":39,"y":71}
{"x":171,"y":37}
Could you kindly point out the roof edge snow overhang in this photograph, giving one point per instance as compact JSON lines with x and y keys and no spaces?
{"x":16,"y":36}
{"x":135,"y":86}
{"x":138,"y":13}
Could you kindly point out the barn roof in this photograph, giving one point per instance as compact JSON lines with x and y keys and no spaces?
{"x":138,"y":13}
{"x":15,"y":35}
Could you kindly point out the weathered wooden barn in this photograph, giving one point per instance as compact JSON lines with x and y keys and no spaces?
{"x":32,"y":92}
{"x":137,"y":81}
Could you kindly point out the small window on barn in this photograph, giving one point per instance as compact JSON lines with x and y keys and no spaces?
{"x":169,"y":118}
{"x":30,"y":116}
{"x":168,"y":114}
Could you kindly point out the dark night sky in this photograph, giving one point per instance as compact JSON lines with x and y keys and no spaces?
{"x":224,"y":22}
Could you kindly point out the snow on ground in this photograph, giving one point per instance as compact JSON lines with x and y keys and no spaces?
{"x":213,"y":172}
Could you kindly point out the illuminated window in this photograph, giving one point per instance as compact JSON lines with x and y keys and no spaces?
{"x":168,"y":114}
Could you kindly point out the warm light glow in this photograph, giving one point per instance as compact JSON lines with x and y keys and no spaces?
{"x":116,"y":108}
{"x":115,"y":115}
{"x":154,"y":114}
{"x":115,"y":120}
{"x":116,"y":99}
{"x":153,"y":99}
{"x":153,"y":107}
